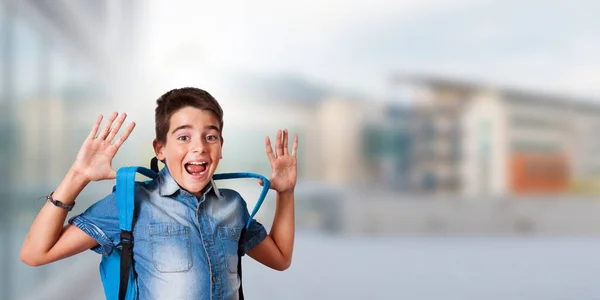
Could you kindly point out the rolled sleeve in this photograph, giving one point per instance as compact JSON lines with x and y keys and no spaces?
{"x":105,"y":243}
{"x":101,"y":222}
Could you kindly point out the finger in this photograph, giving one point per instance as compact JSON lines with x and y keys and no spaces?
{"x":95,"y":127}
{"x":116,"y":128}
{"x":285,"y":142}
{"x":278,"y":144}
{"x":260,"y":181}
{"x":269,"y":149}
{"x":124,"y":135}
{"x":106,"y":128}
{"x":295,"y":146}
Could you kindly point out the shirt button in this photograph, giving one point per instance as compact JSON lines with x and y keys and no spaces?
{"x":214,"y":279}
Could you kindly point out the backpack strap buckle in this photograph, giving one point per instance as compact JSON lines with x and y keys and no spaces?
{"x":126,"y":237}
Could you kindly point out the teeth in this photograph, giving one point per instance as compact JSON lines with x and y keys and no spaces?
{"x":197,"y":163}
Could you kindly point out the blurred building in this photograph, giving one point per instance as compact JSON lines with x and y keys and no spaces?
{"x":456,"y":138}
{"x":60,"y":61}
{"x":393,"y":146}
{"x":478,"y":140}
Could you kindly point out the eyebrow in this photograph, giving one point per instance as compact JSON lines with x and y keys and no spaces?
{"x":210,"y":127}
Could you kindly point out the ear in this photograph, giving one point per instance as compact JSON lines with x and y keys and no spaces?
{"x":158,"y":150}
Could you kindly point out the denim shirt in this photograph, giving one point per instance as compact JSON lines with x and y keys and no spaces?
{"x":184,"y":247}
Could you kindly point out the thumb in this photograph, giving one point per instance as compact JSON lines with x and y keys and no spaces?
{"x":260,"y":181}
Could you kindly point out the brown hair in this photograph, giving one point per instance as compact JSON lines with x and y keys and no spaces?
{"x":176,"y":99}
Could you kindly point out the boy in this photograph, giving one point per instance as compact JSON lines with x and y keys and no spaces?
{"x":186,"y":231}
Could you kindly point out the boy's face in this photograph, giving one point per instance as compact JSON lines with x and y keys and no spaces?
{"x":193,"y":148}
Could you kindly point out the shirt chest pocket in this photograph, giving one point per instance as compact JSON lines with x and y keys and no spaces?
{"x":230,"y":237}
{"x":170,"y":247}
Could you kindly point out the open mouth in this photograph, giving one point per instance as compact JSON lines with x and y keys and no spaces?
{"x":196,"y":168}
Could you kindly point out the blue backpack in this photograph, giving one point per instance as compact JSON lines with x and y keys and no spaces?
{"x":116,"y":271}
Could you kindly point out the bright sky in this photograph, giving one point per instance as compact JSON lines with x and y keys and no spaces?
{"x":355,"y":45}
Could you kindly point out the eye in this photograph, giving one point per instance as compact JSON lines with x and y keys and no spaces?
{"x":183,"y":138}
{"x":212,"y":138}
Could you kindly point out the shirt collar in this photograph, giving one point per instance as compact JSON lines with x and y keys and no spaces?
{"x":167,"y":186}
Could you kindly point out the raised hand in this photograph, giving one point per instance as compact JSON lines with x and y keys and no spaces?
{"x":94,"y":160}
{"x":284,"y":165}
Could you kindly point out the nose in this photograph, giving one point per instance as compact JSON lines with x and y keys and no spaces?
{"x":199,"y":146}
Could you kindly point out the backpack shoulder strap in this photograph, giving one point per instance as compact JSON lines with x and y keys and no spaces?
{"x":126,"y":193}
{"x":126,"y":205}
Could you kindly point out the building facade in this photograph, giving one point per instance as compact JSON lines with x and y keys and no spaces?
{"x":506,"y":142}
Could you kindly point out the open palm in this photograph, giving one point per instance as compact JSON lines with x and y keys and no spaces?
{"x":94,"y":160}
{"x":284,"y":165}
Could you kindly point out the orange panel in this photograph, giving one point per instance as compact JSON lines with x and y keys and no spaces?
{"x":539,"y":173}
